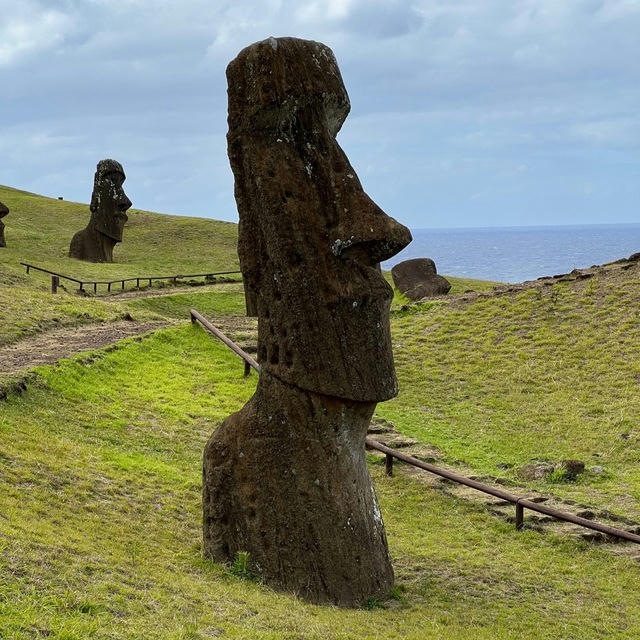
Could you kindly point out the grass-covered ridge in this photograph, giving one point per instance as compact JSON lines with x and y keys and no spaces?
{"x":100,"y":526}
{"x":550,"y":372}
{"x":39,"y":231}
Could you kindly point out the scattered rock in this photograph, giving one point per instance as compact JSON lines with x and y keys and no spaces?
{"x":380,"y":425}
{"x":597,"y":469}
{"x":571,"y":468}
{"x":537,"y":469}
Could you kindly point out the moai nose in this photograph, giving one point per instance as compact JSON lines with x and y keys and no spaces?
{"x":375,"y":235}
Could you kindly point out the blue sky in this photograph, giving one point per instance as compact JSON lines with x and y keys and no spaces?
{"x":464,"y":113}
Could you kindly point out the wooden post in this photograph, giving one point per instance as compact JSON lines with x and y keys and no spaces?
{"x":95,"y":287}
{"x":247,"y":368}
{"x":54,"y":284}
{"x":519,"y":516}
{"x":388,"y":464}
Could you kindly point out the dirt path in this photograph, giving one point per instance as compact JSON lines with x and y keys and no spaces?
{"x":50,"y":346}
{"x":154,"y":292}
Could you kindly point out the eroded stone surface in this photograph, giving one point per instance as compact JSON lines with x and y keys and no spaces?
{"x":4,"y":210}
{"x":286,"y":478}
{"x":418,"y":278}
{"x":109,"y":205}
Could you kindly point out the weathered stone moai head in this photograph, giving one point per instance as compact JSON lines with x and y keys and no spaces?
{"x":4,"y":210}
{"x":286,"y":477}
{"x":109,"y":204}
{"x":310,"y":238}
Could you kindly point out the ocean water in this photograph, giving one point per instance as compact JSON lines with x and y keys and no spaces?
{"x":515,"y":254}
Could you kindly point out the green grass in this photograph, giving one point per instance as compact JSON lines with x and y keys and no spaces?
{"x":100,"y":526}
{"x":223,"y":299}
{"x":39,"y":231}
{"x":100,"y":458}
{"x":547,"y":373}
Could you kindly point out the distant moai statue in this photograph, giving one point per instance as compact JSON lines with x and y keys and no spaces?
{"x":109,"y":205}
{"x":4,"y":210}
{"x":285,"y":478}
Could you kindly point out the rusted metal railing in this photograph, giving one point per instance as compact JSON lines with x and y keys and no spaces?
{"x":521,"y":503}
{"x":55,"y":278}
{"x":195,"y":315}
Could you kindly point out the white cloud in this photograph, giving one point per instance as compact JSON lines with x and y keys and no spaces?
{"x":624,"y":131}
{"x":29,"y":28}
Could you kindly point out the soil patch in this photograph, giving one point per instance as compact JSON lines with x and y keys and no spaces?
{"x":50,"y":346}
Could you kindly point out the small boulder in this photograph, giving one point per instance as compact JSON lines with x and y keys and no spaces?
{"x":537,"y":469}
{"x":571,"y":468}
{"x":419,"y":279}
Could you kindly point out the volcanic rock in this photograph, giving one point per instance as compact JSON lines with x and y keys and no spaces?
{"x":285,"y":479}
{"x":4,"y":210}
{"x":108,"y":207}
{"x":417,"y":279}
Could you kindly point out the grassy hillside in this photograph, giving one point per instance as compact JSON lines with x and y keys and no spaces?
{"x":39,"y":230}
{"x":100,"y":526}
{"x":552,"y":372}
{"x":100,"y":458}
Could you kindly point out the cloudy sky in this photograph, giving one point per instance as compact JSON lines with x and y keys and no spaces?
{"x":464,"y":112}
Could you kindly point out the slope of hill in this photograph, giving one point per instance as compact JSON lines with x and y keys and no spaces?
{"x":100,"y":526}
{"x":39,"y":230}
{"x":548,"y":372}
{"x":100,"y":457}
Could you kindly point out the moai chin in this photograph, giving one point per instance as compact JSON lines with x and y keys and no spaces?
{"x":4,"y":211}
{"x":109,"y":204}
{"x":286,"y":477}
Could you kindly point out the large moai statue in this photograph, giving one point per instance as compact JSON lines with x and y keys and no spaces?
{"x":286,"y":477}
{"x":109,"y":205}
{"x":4,"y":210}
